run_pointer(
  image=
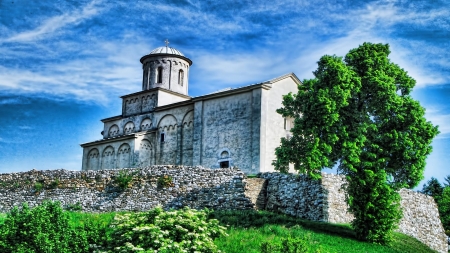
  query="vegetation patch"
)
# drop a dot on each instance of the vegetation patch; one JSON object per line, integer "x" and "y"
{"x": 124, "y": 179}
{"x": 47, "y": 228}
{"x": 165, "y": 181}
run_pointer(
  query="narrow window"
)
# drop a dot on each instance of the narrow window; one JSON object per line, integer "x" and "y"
{"x": 180, "y": 77}
{"x": 225, "y": 164}
{"x": 159, "y": 75}
{"x": 163, "y": 137}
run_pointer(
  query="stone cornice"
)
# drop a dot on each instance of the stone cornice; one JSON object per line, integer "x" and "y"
{"x": 109, "y": 140}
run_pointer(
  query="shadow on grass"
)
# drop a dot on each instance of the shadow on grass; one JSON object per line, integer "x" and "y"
{"x": 257, "y": 219}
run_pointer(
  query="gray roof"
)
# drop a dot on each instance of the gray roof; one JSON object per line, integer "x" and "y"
{"x": 166, "y": 50}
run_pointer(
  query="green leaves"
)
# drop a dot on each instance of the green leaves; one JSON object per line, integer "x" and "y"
{"x": 184, "y": 230}
{"x": 357, "y": 113}
{"x": 44, "y": 228}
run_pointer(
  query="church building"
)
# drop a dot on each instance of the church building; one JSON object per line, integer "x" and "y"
{"x": 163, "y": 125}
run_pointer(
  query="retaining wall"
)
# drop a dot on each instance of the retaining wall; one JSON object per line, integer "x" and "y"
{"x": 98, "y": 191}
{"x": 324, "y": 200}
{"x": 219, "y": 189}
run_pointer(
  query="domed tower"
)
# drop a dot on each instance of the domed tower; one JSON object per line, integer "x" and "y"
{"x": 166, "y": 67}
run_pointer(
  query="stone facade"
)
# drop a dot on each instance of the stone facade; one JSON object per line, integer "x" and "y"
{"x": 162, "y": 125}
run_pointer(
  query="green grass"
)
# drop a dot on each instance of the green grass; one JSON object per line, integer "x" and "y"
{"x": 248, "y": 229}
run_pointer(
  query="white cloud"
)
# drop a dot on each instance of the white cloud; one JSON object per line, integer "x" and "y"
{"x": 442, "y": 119}
{"x": 51, "y": 25}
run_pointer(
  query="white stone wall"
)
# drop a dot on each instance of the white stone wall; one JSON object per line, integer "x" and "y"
{"x": 274, "y": 122}
{"x": 226, "y": 126}
{"x": 171, "y": 67}
{"x": 109, "y": 155}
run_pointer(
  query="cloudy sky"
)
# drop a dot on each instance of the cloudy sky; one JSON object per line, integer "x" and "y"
{"x": 64, "y": 64}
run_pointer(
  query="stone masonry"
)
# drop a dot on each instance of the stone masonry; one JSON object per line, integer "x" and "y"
{"x": 219, "y": 189}
{"x": 324, "y": 200}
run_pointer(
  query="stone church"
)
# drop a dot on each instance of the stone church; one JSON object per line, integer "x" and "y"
{"x": 163, "y": 125}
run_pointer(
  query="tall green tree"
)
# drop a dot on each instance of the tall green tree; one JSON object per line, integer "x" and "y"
{"x": 358, "y": 113}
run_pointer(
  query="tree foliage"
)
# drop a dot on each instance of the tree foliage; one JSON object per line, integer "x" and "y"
{"x": 358, "y": 113}
{"x": 433, "y": 188}
{"x": 42, "y": 229}
{"x": 444, "y": 209}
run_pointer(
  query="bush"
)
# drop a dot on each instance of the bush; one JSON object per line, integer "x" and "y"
{"x": 183, "y": 230}
{"x": 40, "y": 230}
{"x": 38, "y": 186}
{"x": 165, "y": 181}
{"x": 124, "y": 179}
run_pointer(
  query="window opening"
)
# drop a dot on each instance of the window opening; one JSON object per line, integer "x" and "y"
{"x": 159, "y": 75}
{"x": 225, "y": 164}
{"x": 180, "y": 77}
{"x": 163, "y": 137}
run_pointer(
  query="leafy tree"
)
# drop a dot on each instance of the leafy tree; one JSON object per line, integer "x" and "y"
{"x": 433, "y": 188}
{"x": 357, "y": 112}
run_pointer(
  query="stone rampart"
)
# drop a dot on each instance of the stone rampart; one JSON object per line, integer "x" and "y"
{"x": 324, "y": 200}
{"x": 98, "y": 191}
{"x": 219, "y": 189}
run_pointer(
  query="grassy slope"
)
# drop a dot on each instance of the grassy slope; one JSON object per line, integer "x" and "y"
{"x": 248, "y": 229}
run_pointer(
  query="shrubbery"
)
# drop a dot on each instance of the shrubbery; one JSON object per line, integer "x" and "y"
{"x": 183, "y": 230}
{"x": 47, "y": 228}
{"x": 41, "y": 229}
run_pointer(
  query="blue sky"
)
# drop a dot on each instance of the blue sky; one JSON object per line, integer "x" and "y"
{"x": 64, "y": 64}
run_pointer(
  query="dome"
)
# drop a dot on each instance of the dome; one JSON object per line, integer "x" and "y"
{"x": 166, "y": 50}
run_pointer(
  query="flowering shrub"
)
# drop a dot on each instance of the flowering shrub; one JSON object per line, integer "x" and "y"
{"x": 177, "y": 231}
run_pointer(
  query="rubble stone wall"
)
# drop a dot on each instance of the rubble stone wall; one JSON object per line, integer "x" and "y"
{"x": 99, "y": 191}
{"x": 219, "y": 189}
{"x": 324, "y": 200}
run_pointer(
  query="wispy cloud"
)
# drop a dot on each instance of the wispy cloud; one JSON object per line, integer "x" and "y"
{"x": 440, "y": 117}
{"x": 53, "y": 24}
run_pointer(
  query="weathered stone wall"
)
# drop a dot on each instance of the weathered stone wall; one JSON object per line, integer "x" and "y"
{"x": 226, "y": 133}
{"x": 294, "y": 195}
{"x": 98, "y": 191}
{"x": 421, "y": 220}
{"x": 324, "y": 200}
{"x": 220, "y": 189}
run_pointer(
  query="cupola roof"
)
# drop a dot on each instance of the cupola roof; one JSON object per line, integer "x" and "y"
{"x": 166, "y": 50}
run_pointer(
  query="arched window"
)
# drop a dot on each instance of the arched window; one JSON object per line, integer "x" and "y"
{"x": 180, "y": 77}
{"x": 159, "y": 75}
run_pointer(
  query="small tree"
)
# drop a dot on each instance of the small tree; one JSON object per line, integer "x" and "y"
{"x": 357, "y": 112}
{"x": 433, "y": 188}
{"x": 447, "y": 181}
